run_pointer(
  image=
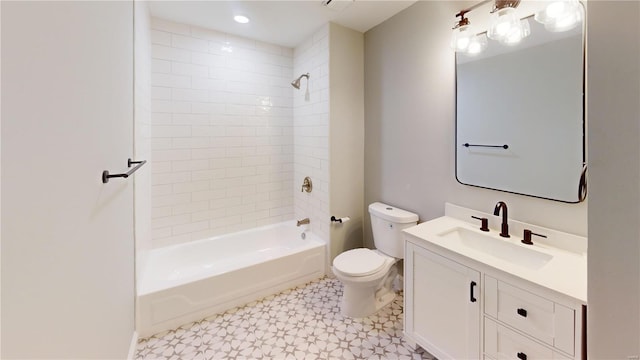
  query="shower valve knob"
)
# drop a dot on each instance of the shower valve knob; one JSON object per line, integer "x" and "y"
{"x": 307, "y": 185}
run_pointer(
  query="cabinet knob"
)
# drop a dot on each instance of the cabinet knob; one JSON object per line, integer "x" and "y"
{"x": 522, "y": 356}
{"x": 522, "y": 312}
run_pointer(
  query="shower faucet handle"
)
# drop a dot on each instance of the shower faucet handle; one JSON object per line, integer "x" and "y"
{"x": 307, "y": 185}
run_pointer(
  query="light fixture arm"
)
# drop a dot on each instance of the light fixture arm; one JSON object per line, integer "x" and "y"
{"x": 462, "y": 12}
{"x": 497, "y": 5}
{"x": 502, "y": 4}
{"x": 462, "y": 22}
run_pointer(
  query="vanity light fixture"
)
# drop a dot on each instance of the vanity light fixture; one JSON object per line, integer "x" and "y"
{"x": 560, "y": 15}
{"x": 462, "y": 34}
{"x": 464, "y": 39}
{"x": 507, "y": 28}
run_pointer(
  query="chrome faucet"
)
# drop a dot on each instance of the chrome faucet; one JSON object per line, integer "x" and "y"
{"x": 504, "y": 230}
{"x": 304, "y": 221}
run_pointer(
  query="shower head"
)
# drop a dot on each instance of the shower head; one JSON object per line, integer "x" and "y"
{"x": 296, "y": 83}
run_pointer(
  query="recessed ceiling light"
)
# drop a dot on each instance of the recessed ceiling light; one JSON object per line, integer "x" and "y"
{"x": 241, "y": 19}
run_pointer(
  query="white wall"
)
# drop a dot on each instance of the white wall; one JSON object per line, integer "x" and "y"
{"x": 311, "y": 131}
{"x": 410, "y": 99}
{"x": 67, "y": 238}
{"x": 142, "y": 132}
{"x": 410, "y": 125}
{"x": 222, "y": 129}
{"x": 346, "y": 139}
{"x": 613, "y": 105}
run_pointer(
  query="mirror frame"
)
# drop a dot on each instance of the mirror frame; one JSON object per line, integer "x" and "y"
{"x": 579, "y": 186}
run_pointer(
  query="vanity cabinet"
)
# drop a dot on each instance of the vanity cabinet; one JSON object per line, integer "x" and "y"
{"x": 541, "y": 319}
{"x": 444, "y": 298}
{"x": 457, "y": 308}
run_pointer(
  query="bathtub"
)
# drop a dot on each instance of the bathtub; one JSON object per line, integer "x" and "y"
{"x": 187, "y": 282}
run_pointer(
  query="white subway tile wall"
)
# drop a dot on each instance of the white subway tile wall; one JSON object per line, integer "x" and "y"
{"x": 311, "y": 131}
{"x": 142, "y": 134}
{"x": 221, "y": 134}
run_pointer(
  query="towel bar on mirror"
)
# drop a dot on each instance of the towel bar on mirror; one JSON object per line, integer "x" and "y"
{"x": 505, "y": 146}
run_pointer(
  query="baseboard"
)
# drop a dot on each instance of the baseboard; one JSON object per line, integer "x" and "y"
{"x": 132, "y": 346}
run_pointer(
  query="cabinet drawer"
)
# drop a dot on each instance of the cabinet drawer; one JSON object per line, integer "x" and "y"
{"x": 543, "y": 319}
{"x": 503, "y": 343}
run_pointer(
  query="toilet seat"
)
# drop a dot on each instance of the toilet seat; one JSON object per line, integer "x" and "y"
{"x": 359, "y": 262}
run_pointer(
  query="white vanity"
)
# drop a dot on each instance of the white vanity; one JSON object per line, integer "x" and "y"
{"x": 471, "y": 294}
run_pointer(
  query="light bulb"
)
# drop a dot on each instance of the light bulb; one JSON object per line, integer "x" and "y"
{"x": 502, "y": 24}
{"x": 555, "y": 9}
{"x": 460, "y": 38}
{"x": 477, "y": 44}
{"x": 502, "y": 28}
{"x": 517, "y": 34}
{"x": 564, "y": 23}
{"x": 512, "y": 39}
{"x": 560, "y": 15}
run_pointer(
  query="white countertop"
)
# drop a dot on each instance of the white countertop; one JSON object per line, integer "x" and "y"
{"x": 565, "y": 273}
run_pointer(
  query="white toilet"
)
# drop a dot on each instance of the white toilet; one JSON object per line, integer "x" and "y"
{"x": 368, "y": 275}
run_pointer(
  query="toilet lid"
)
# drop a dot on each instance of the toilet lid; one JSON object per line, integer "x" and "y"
{"x": 358, "y": 262}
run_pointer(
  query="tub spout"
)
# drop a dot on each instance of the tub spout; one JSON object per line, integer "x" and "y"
{"x": 303, "y": 222}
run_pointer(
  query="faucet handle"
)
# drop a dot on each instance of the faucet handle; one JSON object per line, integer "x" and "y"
{"x": 307, "y": 185}
{"x": 526, "y": 239}
{"x": 484, "y": 223}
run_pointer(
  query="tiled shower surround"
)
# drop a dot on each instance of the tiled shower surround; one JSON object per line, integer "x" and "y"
{"x": 300, "y": 323}
{"x": 142, "y": 133}
{"x": 222, "y": 133}
{"x": 311, "y": 129}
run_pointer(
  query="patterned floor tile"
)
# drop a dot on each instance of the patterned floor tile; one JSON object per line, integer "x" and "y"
{"x": 300, "y": 323}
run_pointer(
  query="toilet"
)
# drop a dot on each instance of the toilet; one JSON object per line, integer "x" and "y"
{"x": 368, "y": 275}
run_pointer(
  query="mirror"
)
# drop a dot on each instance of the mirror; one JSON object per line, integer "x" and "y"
{"x": 520, "y": 112}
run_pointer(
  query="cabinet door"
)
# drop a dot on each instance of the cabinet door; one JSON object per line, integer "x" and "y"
{"x": 442, "y": 310}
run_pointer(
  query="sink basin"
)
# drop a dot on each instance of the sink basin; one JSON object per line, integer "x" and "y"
{"x": 506, "y": 249}
{"x": 558, "y": 262}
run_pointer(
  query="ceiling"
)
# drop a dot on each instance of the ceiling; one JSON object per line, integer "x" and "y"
{"x": 285, "y": 23}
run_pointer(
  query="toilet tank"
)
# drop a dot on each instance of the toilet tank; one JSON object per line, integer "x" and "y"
{"x": 387, "y": 223}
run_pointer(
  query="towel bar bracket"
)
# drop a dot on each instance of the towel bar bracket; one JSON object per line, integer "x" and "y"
{"x": 106, "y": 176}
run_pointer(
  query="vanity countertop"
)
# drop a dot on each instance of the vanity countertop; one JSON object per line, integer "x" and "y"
{"x": 563, "y": 268}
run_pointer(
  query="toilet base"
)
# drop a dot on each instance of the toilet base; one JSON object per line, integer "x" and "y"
{"x": 358, "y": 302}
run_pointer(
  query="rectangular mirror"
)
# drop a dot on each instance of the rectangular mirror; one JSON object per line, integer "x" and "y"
{"x": 520, "y": 115}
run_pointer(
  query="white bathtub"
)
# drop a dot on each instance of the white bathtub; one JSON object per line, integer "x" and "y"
{"x": 187, "y": 282}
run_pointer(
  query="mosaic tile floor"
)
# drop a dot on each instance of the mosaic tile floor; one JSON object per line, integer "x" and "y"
{"x": 300, "y": 323}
